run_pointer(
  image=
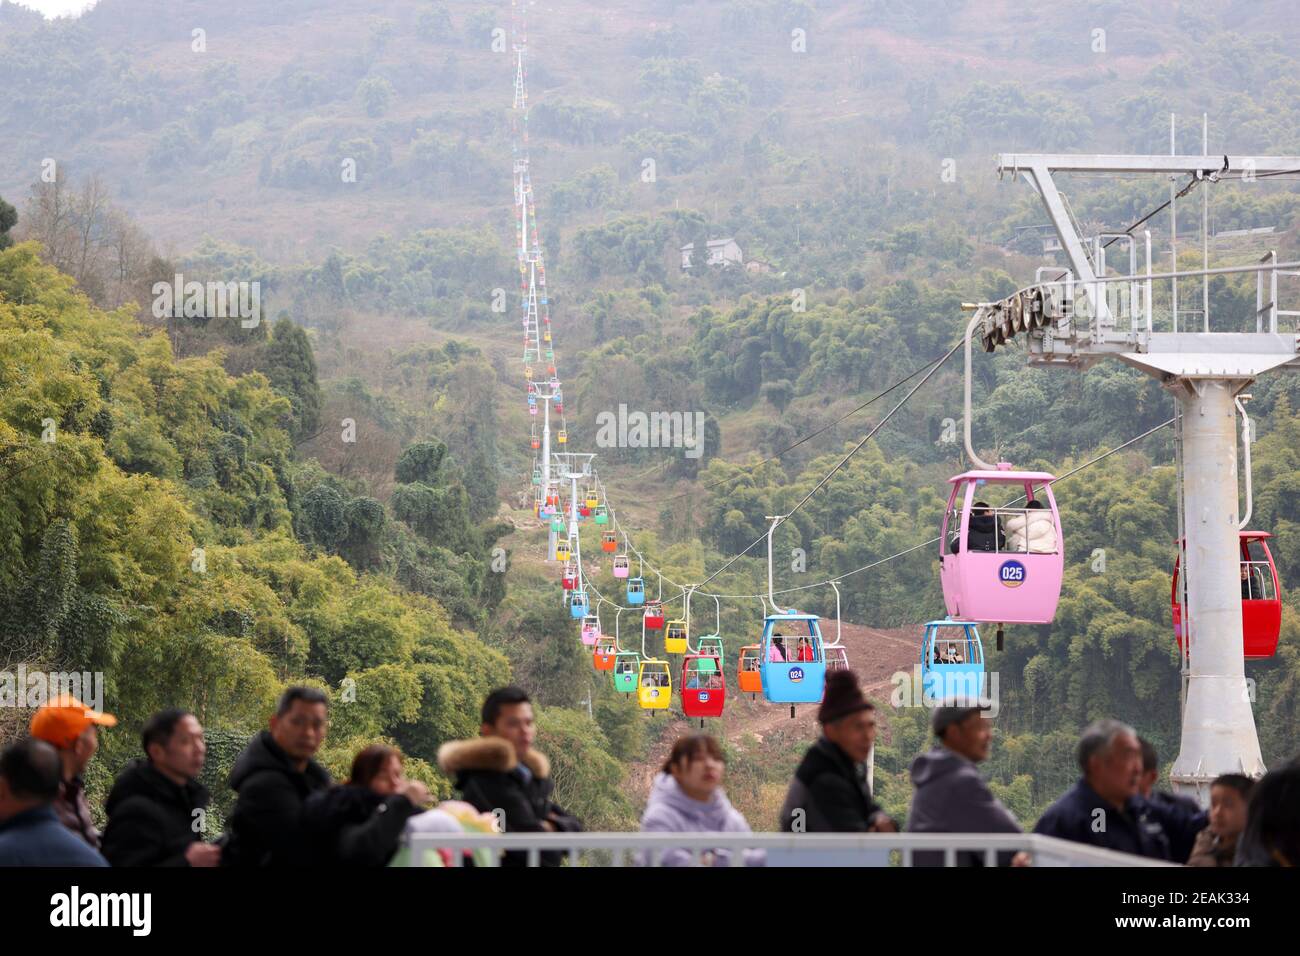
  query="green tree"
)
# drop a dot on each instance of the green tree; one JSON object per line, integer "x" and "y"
{"x": 291, "y": 368}
{"x": 375, "y": 95}
{"x": 8, "y": 219}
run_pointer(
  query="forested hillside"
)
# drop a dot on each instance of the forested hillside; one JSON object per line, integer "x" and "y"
{"x": 340, "y": 493}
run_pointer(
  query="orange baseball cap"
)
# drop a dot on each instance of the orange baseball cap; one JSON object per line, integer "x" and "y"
{"x": 64, "y": 719}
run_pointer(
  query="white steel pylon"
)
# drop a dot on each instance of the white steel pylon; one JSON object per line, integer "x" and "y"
{"x": 538, "y": 350}
{"x": 1077, "y": 320}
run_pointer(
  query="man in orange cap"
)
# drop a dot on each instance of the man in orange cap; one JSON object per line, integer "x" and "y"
{"x": 69, "y": 726}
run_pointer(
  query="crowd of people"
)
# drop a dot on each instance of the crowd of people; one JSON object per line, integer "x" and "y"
{"x": 289, "y": 811}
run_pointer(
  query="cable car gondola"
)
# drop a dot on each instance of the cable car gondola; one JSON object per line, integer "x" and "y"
{"x": 622, "y": 566}
{"x": 569, "y": 577}
{"x": 654, "y": 685}
{"x": 602, "y": 517}
{"x": 749, "y": 674}
{"x": 952, "y": 662}
{"x": 1261, "y": 606}
{"x": 710, "y": 645}
{"x": 578, "y": 604}
{"x": 675, "y": 636}
{"x": 793, "y": 663}
{"x": 1001, "y": 564}
{"x": 562, "y": 550}
{"x": 590, "y": 629}
{"x": 654, "y": 616}
{"x": 603, "y": 657}
{"x": 608, "y": 541}
{"x": 636, "y": 591}
{"x": 627, "y": 665}
{"x": 703, "y": 689}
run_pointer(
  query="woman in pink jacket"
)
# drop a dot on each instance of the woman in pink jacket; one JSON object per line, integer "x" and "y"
{"x": 687, "y": 797}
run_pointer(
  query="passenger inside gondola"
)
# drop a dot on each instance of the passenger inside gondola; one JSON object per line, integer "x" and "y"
{"x": 1255, "y": 583}
{"x": 1031, "y": 531}
{"x": 777, "y": 651}
{"x": 984, "y": 533}
{"x": 948, "y": 652}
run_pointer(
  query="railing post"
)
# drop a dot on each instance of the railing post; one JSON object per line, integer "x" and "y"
{"x": 1272, "y": 294}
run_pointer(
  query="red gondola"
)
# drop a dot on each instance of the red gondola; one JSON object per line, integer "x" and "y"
{"x": 654, "y": 616}
{"x": 1261, "y": 604}
{"x": 704, "y": 690}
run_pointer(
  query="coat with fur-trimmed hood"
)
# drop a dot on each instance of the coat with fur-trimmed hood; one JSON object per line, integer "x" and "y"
{"x": 489, "y": 776}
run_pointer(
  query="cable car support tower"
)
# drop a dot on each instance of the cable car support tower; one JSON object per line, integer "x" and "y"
{"x": 1081, "y": 316}
{"x": 540, "y": 367}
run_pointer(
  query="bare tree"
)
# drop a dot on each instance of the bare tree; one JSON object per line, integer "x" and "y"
{"x": 93, "y": 241}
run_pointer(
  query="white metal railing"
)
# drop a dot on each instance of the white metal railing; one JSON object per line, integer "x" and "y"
{"x": 782, "y": 849}
{"x": 1001, "y": 537}
{"x": 1270, "y": 308}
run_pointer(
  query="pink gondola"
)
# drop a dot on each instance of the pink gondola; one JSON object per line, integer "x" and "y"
{"x": 1002, "y": 563}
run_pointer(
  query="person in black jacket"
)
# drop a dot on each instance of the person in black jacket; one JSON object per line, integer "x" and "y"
{"x": 829, "y": 793}
{"x": 1104, "y": 808}
{"x": 157, "y": 809}
{"x": 273, "y": 776}
{"x": 502, "y": 772}
{"x": 361, "y": 822}
{"x": 985, "y": 531}
{"x": 1181, "y": 816}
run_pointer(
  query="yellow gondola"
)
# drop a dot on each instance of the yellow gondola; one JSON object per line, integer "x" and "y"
{"x": 675, "y": 637}
{"x": 654, "y": 685}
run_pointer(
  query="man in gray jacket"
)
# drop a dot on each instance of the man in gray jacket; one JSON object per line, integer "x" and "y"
{"x": 949, "y": 795}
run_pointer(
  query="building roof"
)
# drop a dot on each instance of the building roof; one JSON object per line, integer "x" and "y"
{"x": 711, "y": 243}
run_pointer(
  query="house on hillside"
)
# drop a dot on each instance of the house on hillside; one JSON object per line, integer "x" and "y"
{"x": 722, "y": 252}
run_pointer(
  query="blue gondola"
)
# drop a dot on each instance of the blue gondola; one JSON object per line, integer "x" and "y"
{"x": 636, "y": 591}
{"x": 793, "y": 659}
{"x": 578, "y": 604}
{"x": 952, "y": 662}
